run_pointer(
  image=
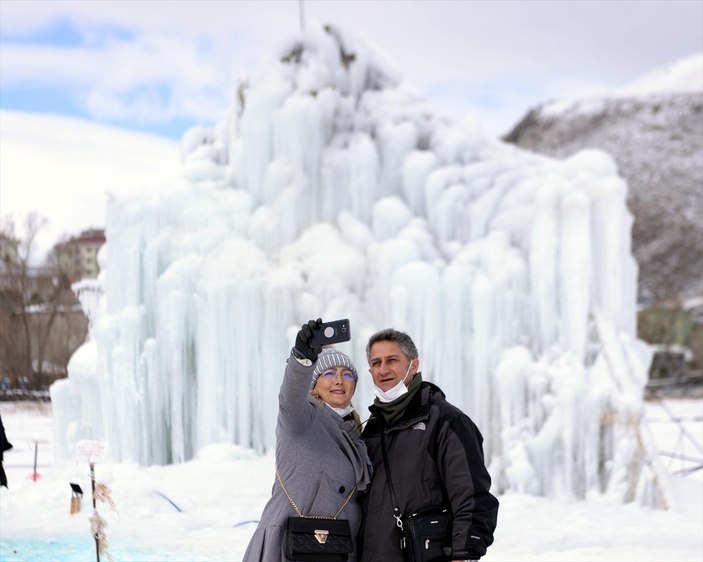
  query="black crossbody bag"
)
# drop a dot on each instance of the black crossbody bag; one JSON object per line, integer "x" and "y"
{"x": 311, "y": 538}
{"x": 426, "y": 536}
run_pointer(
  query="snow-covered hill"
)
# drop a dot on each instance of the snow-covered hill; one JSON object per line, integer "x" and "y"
{"x": 68, "y": 168}
{"x": 684, "y": 75}
{"x": 654, "y": 130}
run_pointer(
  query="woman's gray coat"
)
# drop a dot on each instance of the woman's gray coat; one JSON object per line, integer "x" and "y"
{"x": 320, "y": 458}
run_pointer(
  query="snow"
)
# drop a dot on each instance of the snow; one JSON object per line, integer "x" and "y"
{"x": 221, "y": 493}
{"x": 680, "y": 77}
{"x": 684, "y": 75}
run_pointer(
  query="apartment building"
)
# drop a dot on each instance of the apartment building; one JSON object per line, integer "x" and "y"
{"x": 78, "y": 257}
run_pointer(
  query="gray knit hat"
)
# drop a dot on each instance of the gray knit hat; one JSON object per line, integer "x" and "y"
{"x": 329, "y": 358}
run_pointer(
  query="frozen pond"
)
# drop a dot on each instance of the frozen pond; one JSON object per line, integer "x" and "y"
{"x": 79, "y": 549}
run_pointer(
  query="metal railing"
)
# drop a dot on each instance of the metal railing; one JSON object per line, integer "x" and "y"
{"x": 686, "y": 454}
{"x": 12, "y": 394}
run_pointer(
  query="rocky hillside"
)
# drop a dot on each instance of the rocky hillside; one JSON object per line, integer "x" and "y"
{"x": 656, "y": 138}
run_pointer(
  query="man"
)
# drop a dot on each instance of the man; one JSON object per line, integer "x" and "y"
{"x": 435, "y": 457}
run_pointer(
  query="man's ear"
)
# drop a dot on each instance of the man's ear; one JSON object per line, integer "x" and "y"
{"x": 416, "y": 367}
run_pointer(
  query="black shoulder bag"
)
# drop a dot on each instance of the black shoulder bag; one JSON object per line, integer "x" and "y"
{"x": 311, "y": 538}
{"x": 426, "y": 536}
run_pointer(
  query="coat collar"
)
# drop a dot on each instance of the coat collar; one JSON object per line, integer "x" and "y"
{"x": 417, "y": 411}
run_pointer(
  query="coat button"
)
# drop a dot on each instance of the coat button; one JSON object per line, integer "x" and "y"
{"x": 342, "y": 489}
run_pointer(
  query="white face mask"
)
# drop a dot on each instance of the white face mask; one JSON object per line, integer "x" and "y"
{"x": 342, "y": 411}
{"x": 395, "y": 392}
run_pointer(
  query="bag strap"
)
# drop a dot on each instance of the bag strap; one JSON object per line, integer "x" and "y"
{"x": 396, "y": 509}
{"x": 300, "y": 513}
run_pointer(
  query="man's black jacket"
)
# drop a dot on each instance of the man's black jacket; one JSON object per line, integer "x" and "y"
{"x": 436, "y": 459}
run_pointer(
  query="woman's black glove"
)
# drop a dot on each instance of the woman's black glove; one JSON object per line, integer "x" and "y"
{"x": 302, "y": 341}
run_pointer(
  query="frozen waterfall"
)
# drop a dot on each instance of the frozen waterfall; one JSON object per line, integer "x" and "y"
{"x": 332, "y": 189}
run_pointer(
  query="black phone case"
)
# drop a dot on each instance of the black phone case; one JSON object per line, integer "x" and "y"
{"x": 331, "y": 332}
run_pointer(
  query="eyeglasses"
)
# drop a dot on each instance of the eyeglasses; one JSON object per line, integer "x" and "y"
{"x": 331, "y": 374}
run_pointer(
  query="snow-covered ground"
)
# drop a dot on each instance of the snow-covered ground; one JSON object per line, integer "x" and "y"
{"x": 205, "y": 510}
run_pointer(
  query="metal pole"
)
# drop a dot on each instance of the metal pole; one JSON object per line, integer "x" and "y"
{"x": 36, "y": 448}
{"x": 681, "y": 426}
{"x": 301, "y": 11}
{"x": 92, "y": 484}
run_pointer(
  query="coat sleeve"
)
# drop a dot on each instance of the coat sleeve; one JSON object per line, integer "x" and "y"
{"x": 460, "y": 460}
{"x": 5, "y": 445}
{"x": 295, "y": 412}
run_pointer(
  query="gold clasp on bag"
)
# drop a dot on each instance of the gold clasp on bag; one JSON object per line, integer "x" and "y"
{"x": 321, "y": 535}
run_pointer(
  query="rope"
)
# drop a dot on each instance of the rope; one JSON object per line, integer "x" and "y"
{"x": 169, "y": 500}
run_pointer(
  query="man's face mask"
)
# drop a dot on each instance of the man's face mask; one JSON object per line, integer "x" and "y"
{"x": 394, "y": 392}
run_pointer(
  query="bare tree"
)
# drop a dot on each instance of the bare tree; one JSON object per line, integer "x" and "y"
{"x": 31, "y": 300}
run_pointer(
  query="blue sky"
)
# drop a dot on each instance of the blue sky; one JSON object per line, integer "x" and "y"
{"x": 42, "y": 94}
{"x": 161, "y": 67}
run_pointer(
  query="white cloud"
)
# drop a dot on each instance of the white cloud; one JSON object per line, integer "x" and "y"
{"x": 157, "y": 78}
{"x": 148, "y": 79}
{"x": 73, "y": 67}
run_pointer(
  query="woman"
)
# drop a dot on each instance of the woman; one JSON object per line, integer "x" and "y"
{"x": 321, "y": 461}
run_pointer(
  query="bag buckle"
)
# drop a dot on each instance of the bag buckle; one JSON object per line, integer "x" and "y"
{"x": 321, "y": 535}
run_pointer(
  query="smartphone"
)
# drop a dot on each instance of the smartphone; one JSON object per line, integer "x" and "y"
{"x": 331, "y": 332}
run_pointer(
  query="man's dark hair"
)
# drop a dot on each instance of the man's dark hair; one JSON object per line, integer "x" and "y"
{"x": 407, "y": 346}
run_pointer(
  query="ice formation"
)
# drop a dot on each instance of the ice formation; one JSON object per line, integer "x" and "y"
{"x": 332, "y": 189}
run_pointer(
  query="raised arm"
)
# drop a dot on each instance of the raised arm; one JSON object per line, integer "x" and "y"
{"x": 294, "y": 411}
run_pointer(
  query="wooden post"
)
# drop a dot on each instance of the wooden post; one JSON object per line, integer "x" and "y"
{"x": 92, "y": 485}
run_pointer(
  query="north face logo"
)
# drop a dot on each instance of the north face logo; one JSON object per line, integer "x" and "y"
{"x": 420, "y": 425}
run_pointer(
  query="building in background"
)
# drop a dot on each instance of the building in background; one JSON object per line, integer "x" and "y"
{"x": 78, "y": 256}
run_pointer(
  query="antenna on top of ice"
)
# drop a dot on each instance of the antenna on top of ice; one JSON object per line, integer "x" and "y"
{"x": 301, "y": 12}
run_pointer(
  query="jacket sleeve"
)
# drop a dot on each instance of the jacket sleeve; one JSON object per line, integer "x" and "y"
{"x": 295, "y": 412}
{"x": 460, "y": 460}
{"x": 5, "y": 445}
